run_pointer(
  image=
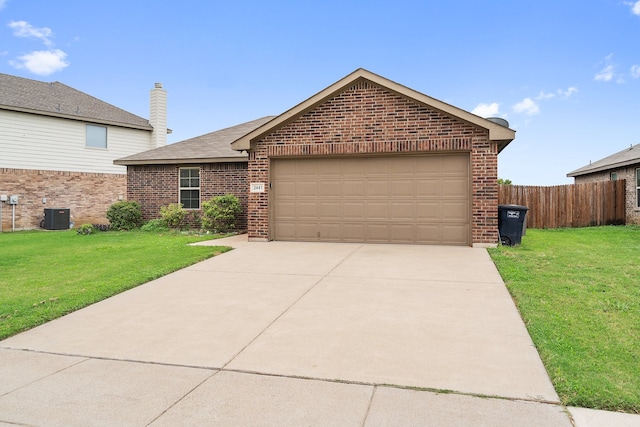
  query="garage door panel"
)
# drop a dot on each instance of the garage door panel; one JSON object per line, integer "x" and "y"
{"x": 307, "y": 189}
{"x": 354, "y": 188}
{"x": 394, "y": 199}
{"x": 353, "y": 210}
{"x": 454, "y": 211}
{"x": 401, "y": 188}
{"x": 426, "y": 187}
{"x": 429, "y": 210}
{"x": 307, "y": 210}
{"x": 286, "y": 209}
{"x": 403, "y": 211}
{"x": 377, "y": 211}
{"x": 330, "y": 211}
{"x": 377, "y": 187}
{"x": 455, "y": 234}
{"x": 329, "y": 188}
{"x": 455, "y": 187}
{"x": 353, "y": 232}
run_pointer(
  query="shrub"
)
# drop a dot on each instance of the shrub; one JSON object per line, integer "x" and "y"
{"x": 173, "y": 215}
{"x": 155, "y": 225}
{"x": 125, "y": 215}
{"x": 85, "y": 229}
{"x": 221, "y": 213}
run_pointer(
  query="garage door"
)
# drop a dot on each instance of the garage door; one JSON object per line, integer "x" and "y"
{"x": 390, "y": 199}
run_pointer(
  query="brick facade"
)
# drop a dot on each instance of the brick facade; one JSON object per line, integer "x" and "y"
{"x": 87, "y": 195}
{"x": 366, "y": 118}
{"x": 627, "y": 173}
{"x": 154, "y": 186}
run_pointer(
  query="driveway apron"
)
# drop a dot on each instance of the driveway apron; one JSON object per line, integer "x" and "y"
{"x": 290, "y": 333}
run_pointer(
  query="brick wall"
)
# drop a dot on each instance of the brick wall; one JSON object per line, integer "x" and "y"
{"x": 87, "y": 195}
{"x": 154, "y": 186}
{"x": 367, "y": 119}
{"x": 627, "y": 173}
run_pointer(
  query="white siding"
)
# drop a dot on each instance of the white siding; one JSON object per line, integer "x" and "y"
{"x": 29, "y": 141}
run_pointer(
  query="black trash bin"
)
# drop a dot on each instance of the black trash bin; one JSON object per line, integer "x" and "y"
{"x": 511, "y": 223}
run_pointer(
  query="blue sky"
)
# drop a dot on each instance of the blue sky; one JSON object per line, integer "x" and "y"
{"x": 565, "y": 74}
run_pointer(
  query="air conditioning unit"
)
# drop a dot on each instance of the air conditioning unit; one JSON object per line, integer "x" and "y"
{"x": 56, "y": 219}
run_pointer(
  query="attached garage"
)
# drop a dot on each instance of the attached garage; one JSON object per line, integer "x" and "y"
{"x": 421, "y": 199}
{"x": 370, "y": 160}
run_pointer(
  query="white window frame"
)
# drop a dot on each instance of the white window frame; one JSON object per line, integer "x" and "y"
{"x": 638, "y": 188}
{"x": 93, "y": 139}
{"x": 186, "y": 183}
{"x": 614, "y": 176}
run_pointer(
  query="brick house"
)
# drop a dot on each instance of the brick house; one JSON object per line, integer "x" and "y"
{"x": 190, "y": 171}
{"x": 364, "y": 160}
{"x": 625, "y": 165}
{"x": 370, "y": 160}
{"x": 58, "y": 147}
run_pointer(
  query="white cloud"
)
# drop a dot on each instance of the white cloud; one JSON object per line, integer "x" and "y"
{"x": 635, "y": 7}
{"x": 567, "y": 93}
{"x": 487, "y": 110}
{"x": 527, "y": 106}
{"x": 606, "y": 74}
{"x": 544, "y": 95}
{"x": 24, "y": 29}
{"x": 635, "y": 71}
{"x": 42, "y": 62}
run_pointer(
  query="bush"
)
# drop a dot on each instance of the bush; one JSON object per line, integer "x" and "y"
{"x": 85, "y": 229}
{"x": 221, "y": 213}
{"x": 125, "y": 215}
{"x": 155, "y": 225}
{"x": 173, "y": 215}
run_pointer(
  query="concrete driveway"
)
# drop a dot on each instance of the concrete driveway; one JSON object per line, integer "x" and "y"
{"x": 290, "y": 334}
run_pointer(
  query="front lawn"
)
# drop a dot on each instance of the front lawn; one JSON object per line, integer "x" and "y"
{"x": 578, "y": 291}
{"x": 44, "y": 275}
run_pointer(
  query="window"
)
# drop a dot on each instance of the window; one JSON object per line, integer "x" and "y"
{"x": 190, "y": 188}
{"x": 614, "y": 176}
{"x": 638, "y": 188}
{"x": 96, "y": 136}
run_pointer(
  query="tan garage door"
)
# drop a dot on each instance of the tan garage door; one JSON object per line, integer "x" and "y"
{"x": 390, "y": 199}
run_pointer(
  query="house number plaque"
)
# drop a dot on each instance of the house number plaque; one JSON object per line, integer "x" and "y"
{"x": 257, "y": 187}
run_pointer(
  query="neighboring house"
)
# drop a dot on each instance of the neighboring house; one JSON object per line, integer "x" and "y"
{"x": 191, "y": 172}
{"x": 57, "y": 147}
{"x": 365, "y": 160}
{"x": 621, "y": 165}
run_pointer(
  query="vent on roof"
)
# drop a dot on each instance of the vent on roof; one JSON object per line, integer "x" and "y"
{"x": 499, "y": 120}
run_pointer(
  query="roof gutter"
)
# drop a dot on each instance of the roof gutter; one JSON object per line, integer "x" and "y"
{"x": 77, "y": 118}
{"x": 190, "y": 161}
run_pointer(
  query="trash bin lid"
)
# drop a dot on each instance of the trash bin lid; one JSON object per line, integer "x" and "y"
{"x": 513, "y": 207}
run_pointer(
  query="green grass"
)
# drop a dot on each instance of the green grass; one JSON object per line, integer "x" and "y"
{"x": 578, "y": 291}
{"x": 44, "y": 275}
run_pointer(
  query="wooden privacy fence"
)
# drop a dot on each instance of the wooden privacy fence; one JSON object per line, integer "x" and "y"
{"x": 574, "y": 205}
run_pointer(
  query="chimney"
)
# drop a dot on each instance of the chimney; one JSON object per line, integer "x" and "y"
{"x": 158, "y": 116}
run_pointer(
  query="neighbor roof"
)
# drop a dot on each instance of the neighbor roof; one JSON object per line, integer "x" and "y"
{"x": 498, "y": 133}
{"x": 626, "y": 157}
{"x": 59, "y": 100}
{"x": 212, "y": 147}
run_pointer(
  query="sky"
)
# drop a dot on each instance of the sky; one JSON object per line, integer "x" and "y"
{"x": 564, "y": 74}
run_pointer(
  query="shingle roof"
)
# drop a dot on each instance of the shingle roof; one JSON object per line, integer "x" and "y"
{"x": 209, "y": 148}
{"x": 628, "y": 156}
{"x": 59, "y": 100}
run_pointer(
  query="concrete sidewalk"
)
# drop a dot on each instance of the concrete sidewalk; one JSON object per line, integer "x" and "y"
{"x": 287, "y": 334}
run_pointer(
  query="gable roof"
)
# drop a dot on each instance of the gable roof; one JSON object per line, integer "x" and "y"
{"x": 501, "y": 134}
{"x": 213, "y": 147}
{"x": 59, "y": 100}
{"x": 626, "y": 157}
